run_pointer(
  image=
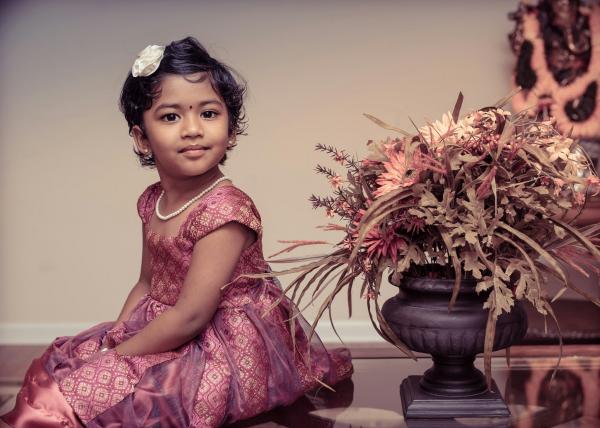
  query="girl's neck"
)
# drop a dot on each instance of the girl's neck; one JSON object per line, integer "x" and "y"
{"x": 181, "y": 190}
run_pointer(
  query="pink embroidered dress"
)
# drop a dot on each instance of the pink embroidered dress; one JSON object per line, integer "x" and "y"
{"x": 241, "y": 364}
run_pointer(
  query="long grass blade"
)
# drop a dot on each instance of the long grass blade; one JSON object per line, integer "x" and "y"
{"x": 350, "y": 297}
{"x": 321, "y": 274}
{"x": 538, "y": 248}
{"x": 490, "y": 335}
{"x": 382, "y": 322}
{"x": 296, "y": 244}
{"x": 456, "y": 264}
{"x": 580, "y": 237}
{"x": 502, "y": 101}
{"x": 385, "y": 125}
{"x": 560, "y": 340}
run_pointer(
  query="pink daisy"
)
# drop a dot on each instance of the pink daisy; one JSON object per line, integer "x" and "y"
{"x": 395, "y": 175}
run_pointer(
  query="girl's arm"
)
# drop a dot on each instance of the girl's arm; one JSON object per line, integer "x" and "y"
{"x": 213, "y": 261}
{"x": 141, "y": 287}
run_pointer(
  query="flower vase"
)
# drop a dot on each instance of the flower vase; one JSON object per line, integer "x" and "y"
{"x": 453, "y": 387}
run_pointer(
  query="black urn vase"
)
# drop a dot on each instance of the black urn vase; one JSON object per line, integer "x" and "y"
{"x": 453, "y": 387}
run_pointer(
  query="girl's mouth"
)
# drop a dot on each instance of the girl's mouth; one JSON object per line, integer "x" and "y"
{"x": 193, "y": 148}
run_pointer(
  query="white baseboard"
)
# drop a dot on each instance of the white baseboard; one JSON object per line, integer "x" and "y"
{"x": 351, "y": 332}
{"x": 37, "y": 334}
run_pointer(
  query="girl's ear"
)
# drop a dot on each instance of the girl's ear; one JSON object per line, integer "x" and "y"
{"x": 140, "y": 140}
{"x": 231, "y": 143}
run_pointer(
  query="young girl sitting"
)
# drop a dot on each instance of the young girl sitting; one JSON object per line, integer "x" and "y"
{"x": 185, "y": 350}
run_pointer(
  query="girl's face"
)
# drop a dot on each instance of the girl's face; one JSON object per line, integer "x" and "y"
{"x": 186, "y": 127}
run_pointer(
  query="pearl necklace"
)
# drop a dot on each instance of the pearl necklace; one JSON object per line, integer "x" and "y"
{"x": 188, "y": 203}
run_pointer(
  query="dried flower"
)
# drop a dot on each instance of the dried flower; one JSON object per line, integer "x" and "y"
{"x": 437, "y": 131}
{"x": 398, "y": 172}
{"x": 335, "y": 181}
{"x": 594, "y": 183}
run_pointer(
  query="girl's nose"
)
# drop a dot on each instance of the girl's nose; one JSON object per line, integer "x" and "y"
{"x": 192, "y": 127}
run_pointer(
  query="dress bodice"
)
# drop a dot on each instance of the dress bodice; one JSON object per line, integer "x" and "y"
{"x": 171, "y": 255}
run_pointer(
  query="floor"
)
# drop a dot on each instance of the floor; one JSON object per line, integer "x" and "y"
{"x": 371, "y": 398}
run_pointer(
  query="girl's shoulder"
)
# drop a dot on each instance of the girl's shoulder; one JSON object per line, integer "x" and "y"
{"x": 229, "y": 195}
{"x": 147, "y": 200}
{"x": 223, "y": 205}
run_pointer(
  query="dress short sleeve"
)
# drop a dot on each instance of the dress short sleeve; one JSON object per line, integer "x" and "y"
{"x": 221, "y": 206}
{"x": 146, "y": 201}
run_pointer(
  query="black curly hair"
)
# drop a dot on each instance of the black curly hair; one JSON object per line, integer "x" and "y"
{"x": 184, "y": 57}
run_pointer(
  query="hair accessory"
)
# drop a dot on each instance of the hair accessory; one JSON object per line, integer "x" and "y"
{"x": 147, "y": 61}
{"x": 188, "y": 203}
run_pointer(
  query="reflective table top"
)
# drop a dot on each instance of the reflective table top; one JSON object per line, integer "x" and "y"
{"x": 371, "y": 398}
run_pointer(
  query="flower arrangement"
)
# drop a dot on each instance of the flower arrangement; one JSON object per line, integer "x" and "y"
{"x": 481, "y": 197}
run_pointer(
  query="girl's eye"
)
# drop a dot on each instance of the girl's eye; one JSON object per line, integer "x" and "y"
{"x": 209, "y": 114}
{"x": 169, "y": 117}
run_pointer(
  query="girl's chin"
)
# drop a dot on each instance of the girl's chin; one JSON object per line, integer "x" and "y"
{"x": 187, "y": 173}
{"x": 188, "y": 167}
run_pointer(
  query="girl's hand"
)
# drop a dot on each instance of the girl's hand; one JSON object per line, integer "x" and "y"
{"x": 110, "y": 339}
{"x": 107, "y": 343}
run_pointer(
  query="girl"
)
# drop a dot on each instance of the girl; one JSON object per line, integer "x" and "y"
{"x": 185, "y": 350}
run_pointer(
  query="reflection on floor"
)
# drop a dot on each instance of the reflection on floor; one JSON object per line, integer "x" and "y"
{"x": 371, "y": 398}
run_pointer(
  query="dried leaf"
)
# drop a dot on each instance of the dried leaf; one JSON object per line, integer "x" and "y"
{"x": 457, "y": 106}
{"x": 385, "y": 125}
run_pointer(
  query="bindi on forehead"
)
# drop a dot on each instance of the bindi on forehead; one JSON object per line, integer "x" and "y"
{"x": 190, "y": 107}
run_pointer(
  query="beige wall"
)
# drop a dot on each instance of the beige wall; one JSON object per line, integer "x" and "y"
{"x": 70, "y": 235}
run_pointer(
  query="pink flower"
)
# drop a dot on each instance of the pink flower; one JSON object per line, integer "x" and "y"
{"x": 558, "y": 184}
{"x": 384, "y": 245}
{"x": 347, "y": 244}
{"x": 594, "y": 182}
{"x": 336, "y": 181}
{"x": 340, "y": 157}
{"x": 396, "y": 174}
{"x": 369, "y": 295}
{"x": 378, "y": 244}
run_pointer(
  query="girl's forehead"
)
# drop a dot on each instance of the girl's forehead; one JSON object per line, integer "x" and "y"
{"x": 188, "y": 86}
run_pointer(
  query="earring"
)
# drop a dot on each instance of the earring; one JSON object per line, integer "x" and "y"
{"x": 147, "y": 155}
{"x": 230, "y": 144}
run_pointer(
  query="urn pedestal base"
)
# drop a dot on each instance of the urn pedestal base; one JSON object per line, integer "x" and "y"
{"x": 453, "y": 387}
{"x": 417, "y": 404}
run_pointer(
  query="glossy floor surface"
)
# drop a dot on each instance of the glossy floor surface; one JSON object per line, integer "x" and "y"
{"x": 372, "y": 399}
